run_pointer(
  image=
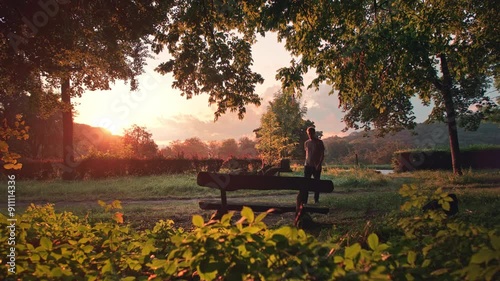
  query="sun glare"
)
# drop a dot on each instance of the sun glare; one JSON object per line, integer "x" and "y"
{"x": 114, "y": 129}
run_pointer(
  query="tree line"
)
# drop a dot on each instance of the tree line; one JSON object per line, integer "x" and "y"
{"x": 375, "y": 55}
{"x": 281, "y": 134}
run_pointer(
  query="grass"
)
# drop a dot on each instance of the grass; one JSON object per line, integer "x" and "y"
{"x": 360, "y": 199}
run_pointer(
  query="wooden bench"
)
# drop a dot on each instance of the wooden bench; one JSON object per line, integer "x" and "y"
{"x": 228, "y": 182}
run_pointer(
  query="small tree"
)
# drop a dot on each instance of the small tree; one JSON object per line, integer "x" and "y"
{"x": 194, "y": 148}
{"x": 270, "y": 143}
{"x": 281, "y": 128}
{"x": 228, "y": 148}
{"x": 139, "y": 140}
{"x": 246, "y": 147}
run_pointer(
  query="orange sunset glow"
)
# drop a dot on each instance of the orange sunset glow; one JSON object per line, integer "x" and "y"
{"x": 170, "y": 116}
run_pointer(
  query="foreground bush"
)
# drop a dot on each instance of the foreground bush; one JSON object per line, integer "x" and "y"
{"x": 417, "y": 246}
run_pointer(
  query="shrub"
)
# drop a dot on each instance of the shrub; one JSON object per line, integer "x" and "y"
{"x": 419, "y": 246}
{"x": 426, "y": 159}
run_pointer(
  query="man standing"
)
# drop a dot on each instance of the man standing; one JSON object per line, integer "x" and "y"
{"x": 315, "y": 153}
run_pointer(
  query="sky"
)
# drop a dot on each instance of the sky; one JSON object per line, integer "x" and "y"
{"x": 169, "y": 116}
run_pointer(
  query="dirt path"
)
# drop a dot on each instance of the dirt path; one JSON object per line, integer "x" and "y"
{"x": 145, "y": 213}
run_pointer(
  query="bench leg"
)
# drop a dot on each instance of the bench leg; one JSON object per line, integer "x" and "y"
{"x": 299, "y": 208}
{"x": 298, "y": 215}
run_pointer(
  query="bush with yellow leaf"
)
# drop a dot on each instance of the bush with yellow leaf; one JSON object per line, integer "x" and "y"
{"x": 18, "y": 130}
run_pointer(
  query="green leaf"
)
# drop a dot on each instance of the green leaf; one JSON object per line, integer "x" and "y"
{"x": 260, "y": 217}
{"x": 35, "y": 258}
{"x": 87, "y": 249}
{"x": 198, "y": 221}
{"x": 207, "y": 270}
{"x": 373, "y": 241}
{"x": 83, "y": 240}
{"x": 56, "y": 272}
{"x": 251, "y": 229}
{"x": 446, "y": 206}
{"x": 226, "y": 219}
{"x": 349, "y": 264}
{"x": 412, "y": 257}
{"x": 409, "y": 277}
{"x": 247, "y": 213}
{"x": 440, "y": 271}
{"x": 352, "y": 251}
{"x": 108, "y": 267}
{"x": 491, "y": 271}
{"x": 483, "y": 256}
{"x": 284, "y": 230}
{"x": 46, "y": 243}
{"x": 382, "y": 247}
{"x": 147, "y": 249}
{"x": 495, "y": 242}
{"x": 157, "y": 263}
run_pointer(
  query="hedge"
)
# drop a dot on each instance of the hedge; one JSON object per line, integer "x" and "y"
{"x": 425, "y": 159}
{"x": 95, "y": 168}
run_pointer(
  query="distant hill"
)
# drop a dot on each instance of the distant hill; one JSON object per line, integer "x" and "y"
{"x": 436, "y": 135}
{"x": 85, "y": 137}
{"x": 46, "y": 142}
{"x": 371, "y": 149}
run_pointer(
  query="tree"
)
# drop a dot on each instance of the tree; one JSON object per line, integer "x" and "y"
{"x": 281, "y": 128}
{"x": 228, "y": 148}
{"x": 42, "y": 112}
{"x": 269, "y": 141}
{"x": 213, "y": 149}
{"x": 491, "y": 111}
{"x": 377, "y": 55}
{"x": 17, "y": 130}
{"x": 486, "y": 109}
{"x": 167, "y": 152}
{"x": 195, "y": 148}
{"x": 74, "y": 46}
{"x": 210, "y": 45}
{"x": 246, "y": 147}
{"x": 336, "y": 149}
{"x": 139, "y": 140}
{"x": 177, "y": 149}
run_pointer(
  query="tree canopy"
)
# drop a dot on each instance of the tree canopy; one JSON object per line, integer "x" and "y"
{"x": 282, "y": 129}
{"x": 376, "y": 55}
{"x": 68, "y": 47}
{"x": 140, "y": 142}
{"x": 210, "y": 45}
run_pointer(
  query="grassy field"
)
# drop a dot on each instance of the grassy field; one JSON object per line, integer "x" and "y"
{"x": 361, "y": 197}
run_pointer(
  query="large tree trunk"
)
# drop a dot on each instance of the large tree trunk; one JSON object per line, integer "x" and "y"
{"x": 451, "y": 120}
{"x": 67, "y": 120}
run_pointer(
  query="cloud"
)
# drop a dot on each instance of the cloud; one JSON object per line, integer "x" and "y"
{"x": 184, "y": 126}
{"x": 323, "y": 109}
{"x": 324, "y": 112}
